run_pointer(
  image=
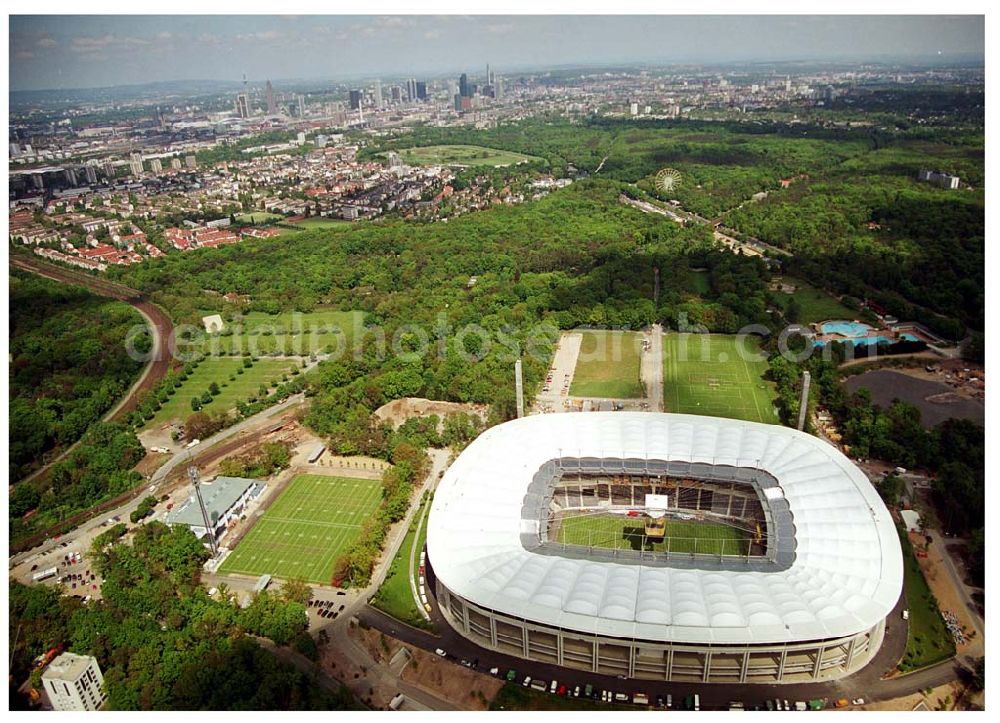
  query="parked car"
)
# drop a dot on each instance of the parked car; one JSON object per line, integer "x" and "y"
{"x": 494, "y": 671}
{"x": 511, "y": 675}
{"x": 538, "y": 685}
{"x": 440, "y": 652}
{"x": 527, "y": 681}
{"x": 858, "y": 701}
{"x": 576, "y": 692}
{"x": 842, "y": 703}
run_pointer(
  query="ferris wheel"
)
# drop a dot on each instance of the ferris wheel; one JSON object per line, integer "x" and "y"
{"x": 667, "y": 180}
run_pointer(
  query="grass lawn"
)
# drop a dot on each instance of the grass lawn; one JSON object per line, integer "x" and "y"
{"x": 928, "y": 640}
{"x": 303, "y": 532}
{"x": 608, "y": 366}
{"x": 709, "y": 374}
{"x": 394, "y": 596}
{"x": 258, "y": 217}
{"x": 319, "y": 222}
{"x": 290, "y": 333}
{"x": 618, "y": 532}
{"x": 462, "y": 156}
{"x": 219, "y": 370}
{"x": 814, "y": 304}
{"x": 514, "y": 696}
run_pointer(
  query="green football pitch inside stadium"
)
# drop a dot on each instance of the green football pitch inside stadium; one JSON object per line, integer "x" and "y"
{"x": 716, "y": 375}
{"x": 619, "y": 532}
{"x": 313, "y": 521}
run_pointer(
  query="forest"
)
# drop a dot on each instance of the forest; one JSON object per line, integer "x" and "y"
{"x": 851, "y": 208}
{"x": 161, "y": 641}
{"x": 69, "y": 365}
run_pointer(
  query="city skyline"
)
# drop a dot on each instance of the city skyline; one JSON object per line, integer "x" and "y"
{"x": 76, "y": 52}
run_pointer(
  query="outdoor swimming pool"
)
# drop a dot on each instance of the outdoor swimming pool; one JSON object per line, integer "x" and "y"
{"x": 908, "y": 337}
{"x": 865, "y": 341}
{"x": 851, "y": 329}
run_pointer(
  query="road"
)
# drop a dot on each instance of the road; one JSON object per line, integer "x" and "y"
{"x": 208, "y": 449}
{"x": 651, "y": 369}
{"x": 156, "y": 319}
{"x": 867, "y": 683}
{"x": 356, "y": 604}
{"x": 958, "y": 583}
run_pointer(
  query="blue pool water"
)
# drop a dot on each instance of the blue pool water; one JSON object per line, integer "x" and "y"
{"x": 850, "y": 329}
{"x": 865, "y": 341}
{"x": 909, "y": 337}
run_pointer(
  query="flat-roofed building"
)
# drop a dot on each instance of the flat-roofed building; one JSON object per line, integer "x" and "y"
{"x": 225, "y": 500}
{"x": 74, "y": 682}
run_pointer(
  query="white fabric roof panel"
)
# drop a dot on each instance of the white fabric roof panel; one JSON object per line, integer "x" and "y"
{"x": 846, "y": 576}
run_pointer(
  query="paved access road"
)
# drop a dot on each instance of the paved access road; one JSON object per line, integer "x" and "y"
{"x": 651, "y": 369}
{"x": 210, "y": 449}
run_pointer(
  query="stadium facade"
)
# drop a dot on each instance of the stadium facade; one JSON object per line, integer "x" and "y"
{"x": 804, "y": 596}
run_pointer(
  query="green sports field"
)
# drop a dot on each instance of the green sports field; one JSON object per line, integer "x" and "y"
{"x": 315, "y": 519}
{"x": 459, "y": 155}
{"x": 290, "y": 333}
{"x": 608, "y": 366}
{"x": 219, "y": 370}
{"x": 618, "y": 532}
{"x": 710, "y": 374}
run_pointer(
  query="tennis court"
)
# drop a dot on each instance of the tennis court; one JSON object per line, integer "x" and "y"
{"x": 312, "y": 522}
{"x": 718, "y": 375}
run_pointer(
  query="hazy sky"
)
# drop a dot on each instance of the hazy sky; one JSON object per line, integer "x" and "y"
{"x": 89, "y": 51}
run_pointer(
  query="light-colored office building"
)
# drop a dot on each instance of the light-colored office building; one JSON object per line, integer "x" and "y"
{"x": 74, "y": 682}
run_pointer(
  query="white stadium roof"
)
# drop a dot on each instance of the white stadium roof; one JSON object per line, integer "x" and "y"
{"x": 845, "y": 577}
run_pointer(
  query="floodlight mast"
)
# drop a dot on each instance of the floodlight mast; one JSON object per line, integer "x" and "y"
{"x": 210, "y": 531}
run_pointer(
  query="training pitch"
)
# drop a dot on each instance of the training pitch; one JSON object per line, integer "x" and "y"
{"x": 618, "y": 532}
{"x": 710, "y": 374}
{"x": 607, "y": 366}
{"x": 313, "y": 521}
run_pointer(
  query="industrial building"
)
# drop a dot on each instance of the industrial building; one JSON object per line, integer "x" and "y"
{"x": 804, "y": 596}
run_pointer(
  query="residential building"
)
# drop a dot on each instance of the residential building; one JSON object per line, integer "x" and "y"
{"x": 74, "y": 682}
{"x": 135, "y": 164}
{"x": 191, "y": 163}
{"x": 175, "y": 163}
{"x": 156, "y": 165}
{"x": 378, "y": 93}
{"x": 355, "y": 99}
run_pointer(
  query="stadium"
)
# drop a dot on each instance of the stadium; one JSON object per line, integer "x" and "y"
{"x": 666, "y": 547}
